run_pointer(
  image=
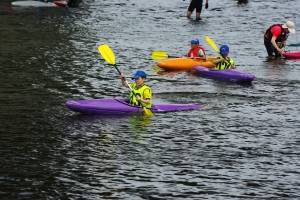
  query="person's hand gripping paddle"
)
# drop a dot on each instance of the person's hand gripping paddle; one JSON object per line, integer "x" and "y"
{"x": 109, "y": 57}
{"x": 214, "y": 46}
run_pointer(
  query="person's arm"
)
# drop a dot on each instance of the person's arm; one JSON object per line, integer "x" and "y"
{"x": 188, "y": 54}
{"x": 233, "y": 65}
{"x": 147, "y": 101}
{"x": 281, "y": 51}
{"x": 276, "y": 31}
{"x": 283, "y": 44}
{"x": 201, "y": 55}
{"x": 147, "y": 96}
{"x": 122, "y": 76}
{"x": 217, "y": 60}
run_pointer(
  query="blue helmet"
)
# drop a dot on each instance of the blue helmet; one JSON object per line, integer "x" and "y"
{"x": 224, "y": 49}
{"x": 194, "y": 41}
{"x": 138, "y": 74}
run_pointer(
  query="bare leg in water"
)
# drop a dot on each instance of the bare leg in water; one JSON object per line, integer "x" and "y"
{"x": 189, "y": 13}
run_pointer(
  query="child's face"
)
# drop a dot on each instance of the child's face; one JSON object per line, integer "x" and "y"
{"x": 193, "y": 46}
{"x": 139, "y": 81}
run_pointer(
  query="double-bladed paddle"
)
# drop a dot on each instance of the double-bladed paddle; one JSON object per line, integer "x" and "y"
{"x": 161, "y": 55}
{"x": 109, "y": 57}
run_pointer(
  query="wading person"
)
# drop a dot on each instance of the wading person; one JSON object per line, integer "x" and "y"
{"x": 196, "y": 4}
{"x": 276, "y": 36}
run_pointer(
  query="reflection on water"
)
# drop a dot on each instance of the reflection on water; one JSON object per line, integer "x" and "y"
{"x": 139, "y": 122}
{"x": 276, "y": 67}
{"x": 10, "y": 9}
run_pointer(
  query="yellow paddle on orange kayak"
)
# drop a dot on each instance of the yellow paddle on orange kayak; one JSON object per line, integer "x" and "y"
{"x": 161, "y": 55}
{"x": 109, "y": 57}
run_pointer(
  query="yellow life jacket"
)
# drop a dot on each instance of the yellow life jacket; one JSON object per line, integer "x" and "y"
{"x": 144, "y": 92}
{"x": 224, "y": 64}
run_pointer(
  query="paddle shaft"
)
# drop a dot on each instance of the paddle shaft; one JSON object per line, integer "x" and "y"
{"x": 147, "y": 111}
{"x": 228, "y": 61}
{"x": 123, "y": 78}
{"x": 173, "y": 56}
{"x": 109, "y": 57}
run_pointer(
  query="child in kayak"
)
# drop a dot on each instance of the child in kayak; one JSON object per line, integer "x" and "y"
{"x": 223, "y": 61}
{"x": 141, "y": 94}
{"x": 196, "y": 50}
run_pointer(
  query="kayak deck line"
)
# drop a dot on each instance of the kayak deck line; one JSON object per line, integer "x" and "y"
{"x": 120, "y": 106}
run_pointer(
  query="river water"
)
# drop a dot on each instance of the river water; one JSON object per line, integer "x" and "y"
{"x": 243, "y": 143}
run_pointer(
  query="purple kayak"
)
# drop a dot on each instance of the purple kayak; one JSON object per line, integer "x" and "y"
{"x": 231, "y": 75}
{"x": 292, "y": 55}
{"x": 119, "y": 106}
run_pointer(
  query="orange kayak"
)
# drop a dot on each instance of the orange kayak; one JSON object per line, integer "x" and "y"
{"x": 183, "y": 64}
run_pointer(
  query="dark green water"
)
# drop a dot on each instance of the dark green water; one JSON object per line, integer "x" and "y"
{"x": 244, "y": 143}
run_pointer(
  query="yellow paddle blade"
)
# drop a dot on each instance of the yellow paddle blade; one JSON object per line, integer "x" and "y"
{"x": 147, "y": 112}
{"x": 159, "y": 55}
{"x": 209, "y": 41}
{"x": 211, "y": 59}
{"x": 107, "y": 54}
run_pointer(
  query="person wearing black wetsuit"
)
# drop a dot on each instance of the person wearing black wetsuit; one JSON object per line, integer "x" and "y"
{"x": 72, "y": 3}
{"x": 198, "y": 5}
